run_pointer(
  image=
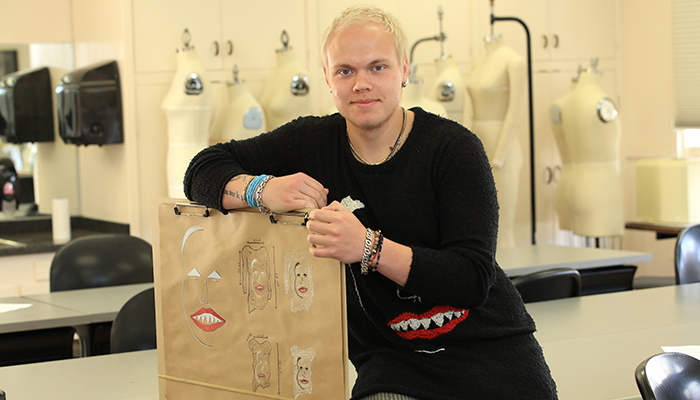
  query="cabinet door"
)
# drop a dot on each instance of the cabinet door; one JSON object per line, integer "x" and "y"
{"x": 158, "y": 32}
{"x": 535, "y": 15}
{"x": 559, "y": 29}
{"x": 583, "y": 29}
{"x": 255, "y": 31}
{"x": 547, "y": 88}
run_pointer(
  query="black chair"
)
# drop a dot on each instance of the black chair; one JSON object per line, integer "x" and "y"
{"x": 669, "y": 376}
{"x": 687, "y": 256}
{"x": 555, "y": 283}
{"x": 99, "y": 261}
{"x": 134, "y": 328}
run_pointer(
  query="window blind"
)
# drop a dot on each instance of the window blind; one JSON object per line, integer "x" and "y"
{"x": 687, "y": 62}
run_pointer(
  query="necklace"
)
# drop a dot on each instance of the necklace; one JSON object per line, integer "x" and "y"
{"x": 393, "y": 149}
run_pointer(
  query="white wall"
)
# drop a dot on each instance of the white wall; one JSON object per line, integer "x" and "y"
{"x": 648, "y": 111}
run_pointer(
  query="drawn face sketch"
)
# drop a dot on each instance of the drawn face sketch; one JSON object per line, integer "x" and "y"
{"x": 302, "y": 370}
{"x": 198, "y": 284}
{"x": 298, "y": 279}
{"x": 261, "y": 362}
{"x": 256, "y": 276}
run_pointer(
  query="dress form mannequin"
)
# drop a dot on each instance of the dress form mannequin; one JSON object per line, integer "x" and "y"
{"x": 286, "y": 94}
{"x": 413, "y": 96}
{"x": 240, "y": 117}
{"x": 188, "y": 107}
{"x": 591, "y": 190}
{"x": 497, "y": 88}
{"x": 449, "y": 88}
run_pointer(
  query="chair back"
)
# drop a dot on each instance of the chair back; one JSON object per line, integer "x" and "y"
{"x": 687, "y": 257}
{"x": 134, "y": 328}
{"x": 550, "y": 284}
{"x": 669, "y": 376}
{"x": 101, "y": 260}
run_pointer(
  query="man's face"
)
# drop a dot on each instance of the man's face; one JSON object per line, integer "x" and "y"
{"x": 365, "y": 75}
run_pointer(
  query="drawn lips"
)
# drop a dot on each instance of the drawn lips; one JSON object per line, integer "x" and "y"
{"x": 260, "y": 288}
{"x": 261, "y": 376}
{"x": 207, "y": 320}
{"x": 304, "y": 381}
{"x": 438, "y": 321}
{"x": 303, "y": 289}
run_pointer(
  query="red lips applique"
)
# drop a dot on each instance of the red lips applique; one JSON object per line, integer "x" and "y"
{"x": 207, "y": 320}
{"x": 431, "y": 324}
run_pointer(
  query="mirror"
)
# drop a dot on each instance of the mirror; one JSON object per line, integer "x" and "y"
{"x": 48, "y": 170}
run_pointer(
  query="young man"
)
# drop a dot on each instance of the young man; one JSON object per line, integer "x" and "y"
{"x": 413, "y": 214}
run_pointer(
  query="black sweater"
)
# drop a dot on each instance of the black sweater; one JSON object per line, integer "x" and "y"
{"x": 458, "y": 328}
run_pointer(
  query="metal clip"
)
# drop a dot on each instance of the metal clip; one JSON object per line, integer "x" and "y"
{"x": 205, "y": 214}
{"x": 303, "y": 215}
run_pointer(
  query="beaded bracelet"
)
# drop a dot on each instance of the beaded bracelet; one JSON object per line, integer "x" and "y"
{"x": 376, "y": 252}
{"x": 245, "y": 190}
{"x": 251, "y": 190}
{"x": 258, "y": 194}
{"x": 364, "y": 265}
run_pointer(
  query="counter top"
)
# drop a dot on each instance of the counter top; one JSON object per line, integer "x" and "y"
{"x": 35, "y": 234}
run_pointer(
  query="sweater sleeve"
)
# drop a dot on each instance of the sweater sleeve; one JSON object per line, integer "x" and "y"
{"x": 461, "y": 271}
{"x": 280, "y": 152}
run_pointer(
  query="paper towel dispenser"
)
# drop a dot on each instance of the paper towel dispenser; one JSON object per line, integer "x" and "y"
{"x": 89, "y": 105}
{"x": 26, "y": 107}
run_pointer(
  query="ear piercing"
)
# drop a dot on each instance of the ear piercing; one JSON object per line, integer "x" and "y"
{"x": 404, "y": 83}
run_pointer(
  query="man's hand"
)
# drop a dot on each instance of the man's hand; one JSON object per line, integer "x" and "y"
{"x": 336, "y": 233}
{"x": 294, "y": 192}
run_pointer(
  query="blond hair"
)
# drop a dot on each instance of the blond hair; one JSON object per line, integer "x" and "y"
{"x": 363, "y": 14}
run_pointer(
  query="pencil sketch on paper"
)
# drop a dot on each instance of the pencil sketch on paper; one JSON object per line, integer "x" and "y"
{"x": 197, "y": 286}
{"x": 260, "y": 349}
{"x": 298, "y": 279}
{"x": 256, "y": 276}
{"x": 302, "y": 369}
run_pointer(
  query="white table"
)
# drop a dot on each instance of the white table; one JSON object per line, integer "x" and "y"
{"x": 132, "y": 376}
{"x": 522, "y": 260}
{"x": 594, "y": 343}
{"x": 100, "y": 304}
{"x": 38, "y": 316}
{"x": 76, "y": 308}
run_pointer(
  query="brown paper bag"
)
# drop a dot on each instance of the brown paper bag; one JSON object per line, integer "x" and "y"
{"x": 243, "y": 310}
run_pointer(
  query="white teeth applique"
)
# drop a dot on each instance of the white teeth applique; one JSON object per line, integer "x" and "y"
{"x": 438, "y": 321}
{"x": 351, "y": 204}
{"x": 207, "y": 319}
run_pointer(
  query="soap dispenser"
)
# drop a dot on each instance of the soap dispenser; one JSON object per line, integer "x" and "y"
{"x": 26, "y": 108}
{"x": 89, "y": 105}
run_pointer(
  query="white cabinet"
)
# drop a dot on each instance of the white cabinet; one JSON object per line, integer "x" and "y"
{"x": 25, "y": 274}
{"x": 220, "y": 31}
{"x": 158, "y": 32}
{"x": 255, "y": 48}
{"x": 560, "y": 30}
{"x": 582, "y": 29}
